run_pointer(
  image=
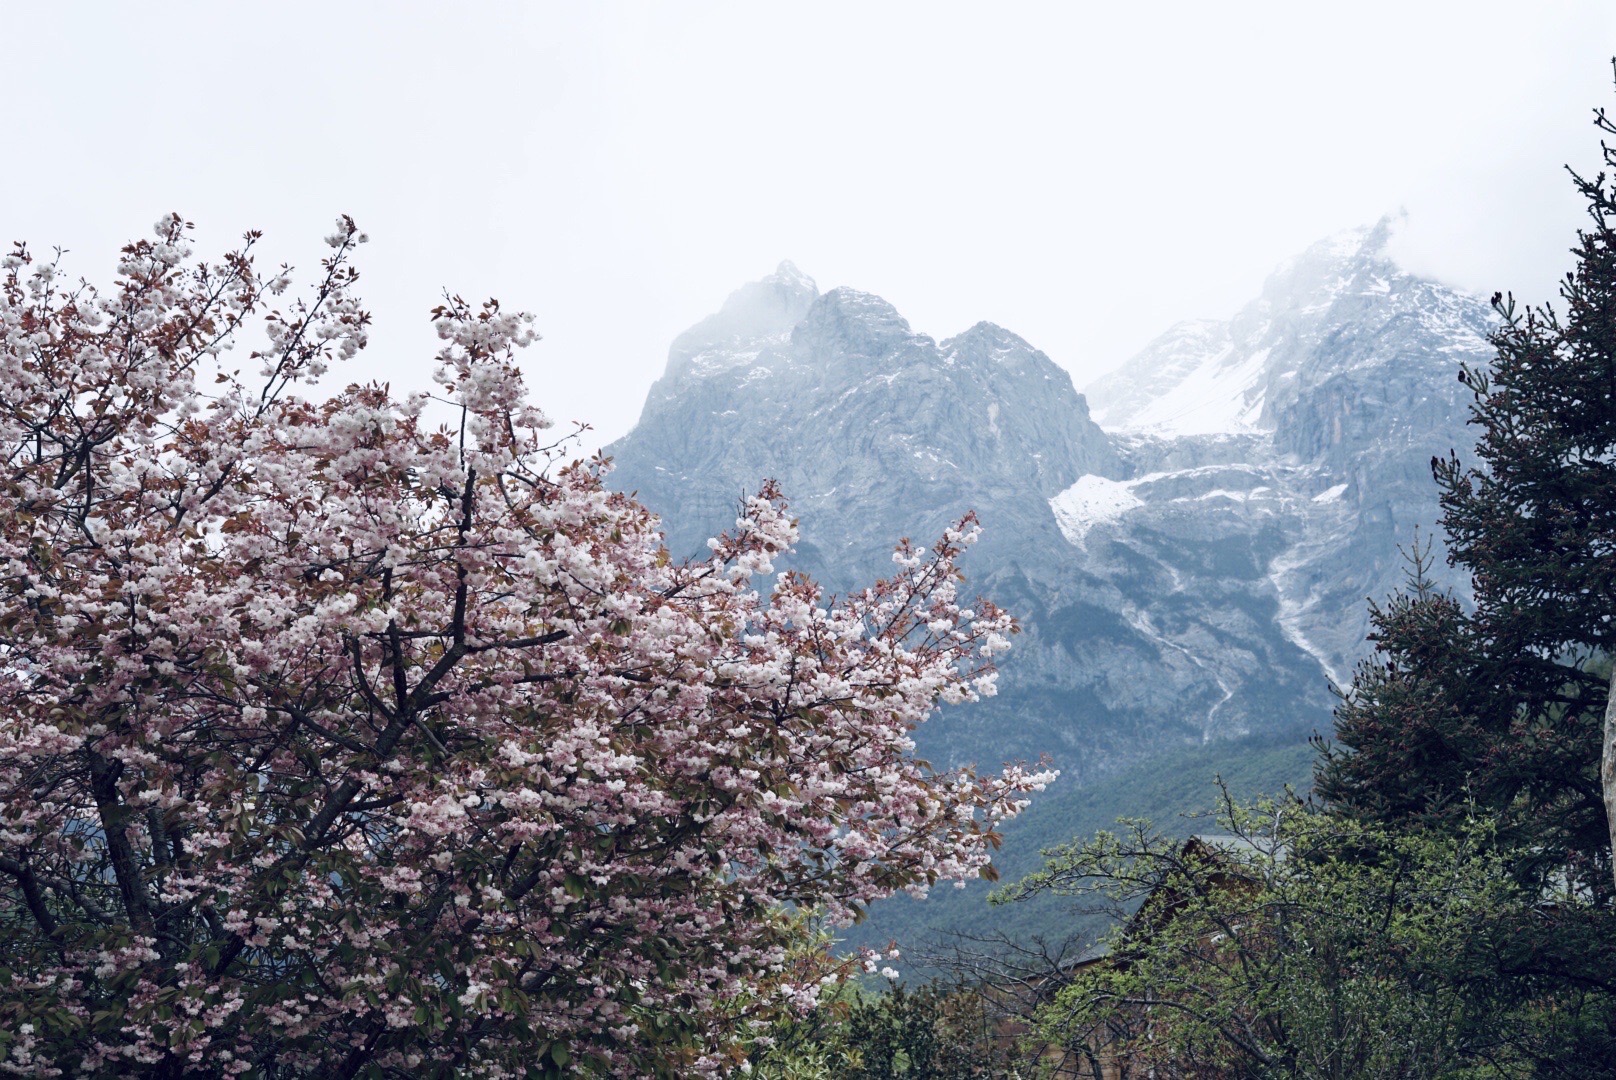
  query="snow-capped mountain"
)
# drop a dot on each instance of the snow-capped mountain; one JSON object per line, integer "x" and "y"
{"x": 1192, "y": 568}
{"x": 1340, "y": 307}
{"x": 1338, "y": 385}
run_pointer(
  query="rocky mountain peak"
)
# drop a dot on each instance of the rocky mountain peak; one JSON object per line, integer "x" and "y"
{"x": 759, "y": 310}
{"x": 1346, "y": 263}
{"x": 988, "y": 335}
{"x": 787, "y": 276}
{"x": 873, "y": 430}
{"x": 1348, "y": 248}
{"x": 1341, "y": 307}
{"x": 995, "y": 344}
{"x": 847, "y": 323}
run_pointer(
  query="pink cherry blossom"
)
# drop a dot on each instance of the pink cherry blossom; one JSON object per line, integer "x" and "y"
{"x": 333, "y": 740}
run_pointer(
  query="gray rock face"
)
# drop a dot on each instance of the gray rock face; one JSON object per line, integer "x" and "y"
{"x": 1341, "y": 380}
{"x": 873, "y": 430}
{"x": 1197, "y": 574}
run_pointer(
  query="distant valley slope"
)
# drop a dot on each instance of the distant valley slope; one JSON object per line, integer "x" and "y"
{"x": 1189, "y": 550}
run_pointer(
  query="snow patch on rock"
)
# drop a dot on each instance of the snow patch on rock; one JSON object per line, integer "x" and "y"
{"x": 1224, "y": 394}
{"x": 1331, "y": 494}
{"x": 1089, "y": 502}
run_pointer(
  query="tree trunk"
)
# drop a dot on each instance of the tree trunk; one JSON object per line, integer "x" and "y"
{"x": 1607, "y": 768}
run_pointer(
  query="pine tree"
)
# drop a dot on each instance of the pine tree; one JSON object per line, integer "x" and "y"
{"x": 1437, "y": 727}
{"x": 1508, "y": 710}
{"x": 1535, "y": 521}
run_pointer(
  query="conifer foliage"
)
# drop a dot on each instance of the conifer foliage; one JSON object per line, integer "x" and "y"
{"x": 1536, "y": 522}
{"x": 337, "y": 742}
{"x": 1509, "y": 705}
{"x": 1438, "y": 727}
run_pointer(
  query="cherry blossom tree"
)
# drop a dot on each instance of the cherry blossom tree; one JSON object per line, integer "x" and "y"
{"x": 338, "y": 740}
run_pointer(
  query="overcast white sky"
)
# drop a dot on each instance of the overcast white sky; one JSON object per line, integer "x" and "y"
{"x": 1083, "y": 174}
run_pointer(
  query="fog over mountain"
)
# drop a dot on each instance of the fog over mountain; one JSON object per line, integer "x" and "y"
{"x": 1189, "y": 547}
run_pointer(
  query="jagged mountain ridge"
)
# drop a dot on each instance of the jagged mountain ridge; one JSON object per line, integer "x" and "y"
{"x": 1338, "y": 386}
{"x": 850, "y": 410}
{"x": 1341, "y": 306}
{"x": 1174, "y": 587}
